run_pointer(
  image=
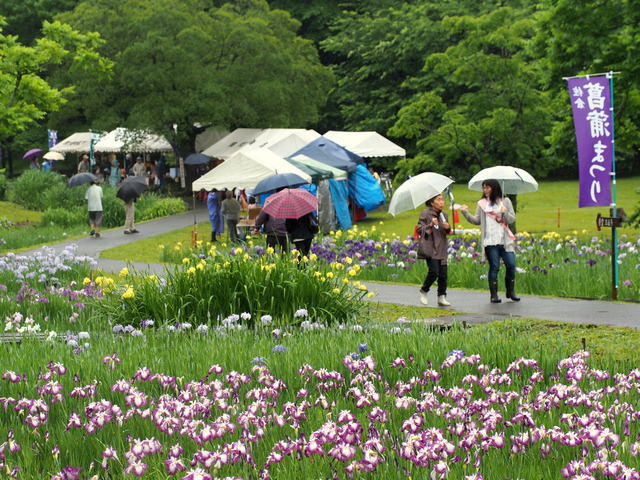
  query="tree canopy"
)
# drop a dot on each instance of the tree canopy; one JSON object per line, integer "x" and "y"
{"x": 26, "y": 97}
{"x": 188, "y": 63}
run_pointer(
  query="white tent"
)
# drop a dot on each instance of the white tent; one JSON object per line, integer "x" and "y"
{"x": 282, "y": 141}
{"x": 245, "y": 169}
{"x": 79, "y": 142}
{"x": 121, "y": 139}
{"x": 366, "y": 144}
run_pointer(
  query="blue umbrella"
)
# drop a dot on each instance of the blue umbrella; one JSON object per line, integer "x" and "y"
{"x": 278, "y": 181}
{"x": 196, "y": 159}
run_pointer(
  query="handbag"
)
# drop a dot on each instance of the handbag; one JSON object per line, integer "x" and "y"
{"x": 313, "y": 224}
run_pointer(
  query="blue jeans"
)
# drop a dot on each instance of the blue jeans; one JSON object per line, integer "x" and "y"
{"x": 494, "y": 253}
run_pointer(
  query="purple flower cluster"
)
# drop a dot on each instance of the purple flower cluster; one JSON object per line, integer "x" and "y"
{"x": 231, "y": 420}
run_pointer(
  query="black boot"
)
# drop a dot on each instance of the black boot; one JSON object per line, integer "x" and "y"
{"x": 511, "y": 289}
{"x": 213, "y": 237}
{"x": 493, "y": 289}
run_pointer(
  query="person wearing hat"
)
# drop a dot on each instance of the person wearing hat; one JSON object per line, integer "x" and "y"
{"x": 139, "y": 168}
{"x": 83, "y": 166}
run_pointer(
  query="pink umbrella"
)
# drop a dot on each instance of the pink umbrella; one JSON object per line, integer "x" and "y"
{"x": 290, "y": 203}
{"x": 33, "y": 153}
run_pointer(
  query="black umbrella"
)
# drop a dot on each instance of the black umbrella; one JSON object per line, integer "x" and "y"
{"x": 277, "y": 182}
{"x": 131, "y": 188}
{"x": 80, "y": 179}
{"x": 196, "y": 159}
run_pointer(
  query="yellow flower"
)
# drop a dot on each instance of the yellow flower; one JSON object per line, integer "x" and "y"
{"x": 362, "y": 287}
{"x": 177, "y": 248}
{"x": 378, "y": 245}
{"x": 313, "y": 257}
{"x": 329, "y": 274}
{"x": 317, "y": 274}
{"x": 348, "y": 260}
{"x": 200, "y": 266}
{"x": 381, "y": 223}
{"x": 227, "y": 264}
{"x": 86, "y": 280}
{"x": 246, "y": 257}
{"x": 238, "y": 251}
{"x": 353, "y": 273}
{"x": 370, "y": 295}
{"x": 191, "y": 270}
{"x": 345, "y": 280}
{"x": 186, "y": 260}
{"x": 270, "y": 251}
{"x": 160, "y": 247}
{"x": 124, "y": 272}
{"x": 336, "y": 290}
{"x": 153, "y": 278}
{"x": 128, "y": 293}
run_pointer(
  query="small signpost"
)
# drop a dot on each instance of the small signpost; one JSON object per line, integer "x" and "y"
{"x": 608, "y": 222}
{"x": 613, "y": 221}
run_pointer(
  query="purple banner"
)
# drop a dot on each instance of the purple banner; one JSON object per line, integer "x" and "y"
{"x": 591, "y": 105}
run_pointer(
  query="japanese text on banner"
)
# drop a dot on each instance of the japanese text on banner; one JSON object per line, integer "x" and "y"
{"x": 591, "y": 106}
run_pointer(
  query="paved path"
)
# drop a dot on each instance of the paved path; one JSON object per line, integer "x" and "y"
{"x": 474, "y": 307}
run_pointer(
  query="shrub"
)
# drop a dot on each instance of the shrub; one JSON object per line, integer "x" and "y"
{"x": 205, "y": 290}
{"x": 28, "y": 189}
{"x": 151, "y": 206}
{"x": 3, "y": 185}
{"x": 64, "y": 217}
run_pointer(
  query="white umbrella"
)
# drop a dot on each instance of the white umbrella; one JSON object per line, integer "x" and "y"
{"x": 512, "y": 180}
{"x": 417, "y": 190}
{"x": 53, "y": 156}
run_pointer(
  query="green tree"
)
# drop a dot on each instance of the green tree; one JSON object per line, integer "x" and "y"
{"x": 187, "y": 62}
{"x": 25, "y": 96}
{"x": 589, "y": 37}
{"x": 483, "y": 104}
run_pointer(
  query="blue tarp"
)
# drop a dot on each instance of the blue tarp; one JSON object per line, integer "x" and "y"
{"x": 326, "y": 151}
{"x": 365, "y": 189}
{"x": 339, "y": 196}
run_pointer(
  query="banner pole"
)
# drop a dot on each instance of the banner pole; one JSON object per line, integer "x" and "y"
{"x": 614, "y": 239}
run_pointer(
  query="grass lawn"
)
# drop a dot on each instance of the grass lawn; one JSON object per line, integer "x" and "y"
{"x": 553, "y": 208}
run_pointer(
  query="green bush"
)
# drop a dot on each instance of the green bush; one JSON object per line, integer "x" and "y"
{"x": 151, "y": 206}
{"x": 3, "y": 185}
{"x": 59, "y": 196}
{"x": 28, "y": 189}
{"x": 64, "y": 217}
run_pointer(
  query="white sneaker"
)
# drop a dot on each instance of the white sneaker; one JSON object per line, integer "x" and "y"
{"x": 423, "y": 298}
{"x": 442, "y": 301}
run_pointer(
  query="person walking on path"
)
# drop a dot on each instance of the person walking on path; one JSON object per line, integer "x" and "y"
{"x": 302, "y": 231}
{"x": 215, "y": 215}
{"x": 494, "y": 214}
{"x": 231, "y": 212}
{"x": 94, "y": 203}
{"x": 274, "y": 228}
{"x": 129, "y": 216}
{"x": 433, "y": 227}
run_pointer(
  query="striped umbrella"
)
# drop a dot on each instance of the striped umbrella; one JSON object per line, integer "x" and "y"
{"x": 290, "y": 203}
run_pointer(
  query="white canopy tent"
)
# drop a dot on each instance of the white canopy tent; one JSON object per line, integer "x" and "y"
{"x": 79, "y": 142}
{"x": 282, "y": 141}
{"x": 122, "y": 139}
{"x": 245, "y": 169}
{"x": 366, "y": 144}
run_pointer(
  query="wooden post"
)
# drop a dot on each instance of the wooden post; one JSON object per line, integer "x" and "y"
{"x": 558, "y": 217}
